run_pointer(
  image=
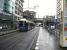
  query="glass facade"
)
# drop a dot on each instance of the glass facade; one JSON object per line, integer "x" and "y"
{"x": 9, "y": 6}
{"x": 1, "y": 5}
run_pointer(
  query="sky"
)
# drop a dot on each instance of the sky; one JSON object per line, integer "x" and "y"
{"x": 44, "y": 7}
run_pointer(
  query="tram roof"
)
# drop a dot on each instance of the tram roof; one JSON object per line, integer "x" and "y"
{"x": 26, "y": 20}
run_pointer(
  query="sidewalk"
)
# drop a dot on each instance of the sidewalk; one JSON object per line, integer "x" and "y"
{"x": 45, "y": 41}
{"x": 7, "y": 32}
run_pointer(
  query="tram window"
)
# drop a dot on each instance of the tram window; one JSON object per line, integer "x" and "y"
{"x": 21, "y": 23}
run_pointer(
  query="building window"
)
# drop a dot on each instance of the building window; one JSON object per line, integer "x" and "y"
{"x": 16, "y": 12}
{"x": 16, "y": 7}
{"x": 19, "y": 2}
{"x": 18, "y": 18}
{"x": 16, "y": 3}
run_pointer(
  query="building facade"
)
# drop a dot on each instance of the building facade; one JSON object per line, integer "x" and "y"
{"x": 10, "y": 12}
{"x": 7, "y": 11}
{"x": 30, "y": 15}
{"x": 7, "y": 6}
{"x": 19, "y": 9}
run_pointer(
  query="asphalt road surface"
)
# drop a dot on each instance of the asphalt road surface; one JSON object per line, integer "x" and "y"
{"x": 38, "y": 39}
{"x": 19, "y": 40}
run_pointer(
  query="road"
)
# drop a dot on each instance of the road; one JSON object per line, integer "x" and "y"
{"x": 38, "y": 39}
{"x": 19, "y": 40}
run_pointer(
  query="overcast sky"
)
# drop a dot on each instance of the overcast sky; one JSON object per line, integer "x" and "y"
{"x": 46, "y": 7}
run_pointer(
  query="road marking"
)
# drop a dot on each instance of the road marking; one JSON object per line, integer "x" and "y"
{"x": 36, "y": 48}
{"x": 37, "y": 43}
{"x": 9, "y": 38}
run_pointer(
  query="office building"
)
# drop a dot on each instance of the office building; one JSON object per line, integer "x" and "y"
{"x": 7, "y": 11}
{"x": 7, "y": 6}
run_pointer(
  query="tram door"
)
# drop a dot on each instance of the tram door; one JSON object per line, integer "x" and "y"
{"x": 63, "y": 34}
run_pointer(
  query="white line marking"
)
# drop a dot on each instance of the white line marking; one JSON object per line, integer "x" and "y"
{"x": 37, "y": 43}
{"x": 36, "y": 48}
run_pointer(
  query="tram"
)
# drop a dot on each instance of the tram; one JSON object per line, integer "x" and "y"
{"x": 63, "y": 28}
{"x": 25, "y": 25}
